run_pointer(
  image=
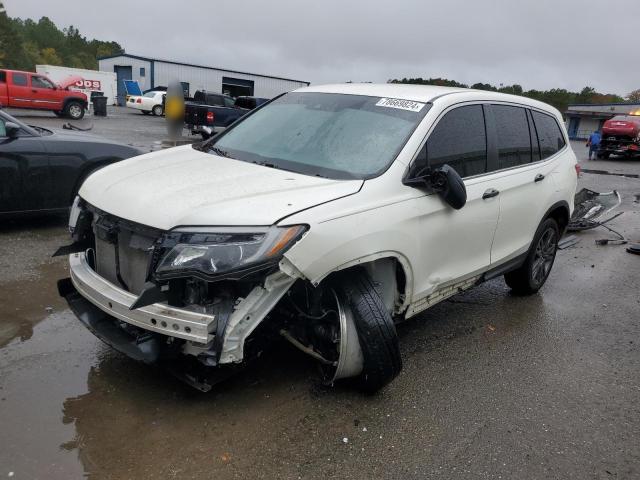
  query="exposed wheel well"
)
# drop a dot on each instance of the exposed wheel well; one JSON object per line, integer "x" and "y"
{"x": 68, "y": 100}
{"x": 390, "y": 279}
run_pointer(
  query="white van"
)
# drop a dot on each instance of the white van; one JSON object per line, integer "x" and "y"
{"x": 324, "y": 217}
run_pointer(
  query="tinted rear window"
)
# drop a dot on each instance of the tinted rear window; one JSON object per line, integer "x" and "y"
{"x": 3, "y": 77}
{"x": 550, "y": 136}
{"x": 459, "y": 140}
{"x": 512, "y": 131}
{"x": 20, "y": 79}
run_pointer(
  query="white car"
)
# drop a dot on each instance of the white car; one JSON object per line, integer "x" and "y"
{"x": 324, "y": 218}
{"x": 150, "y": 102}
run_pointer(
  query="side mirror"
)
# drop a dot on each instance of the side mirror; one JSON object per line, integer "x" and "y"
{"x": 449, "y": 185}
{"x": 444, "y": 181}
{"x": 12, "y": 129}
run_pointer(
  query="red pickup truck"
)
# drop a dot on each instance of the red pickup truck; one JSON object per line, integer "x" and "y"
{"x": 32, "y": 90}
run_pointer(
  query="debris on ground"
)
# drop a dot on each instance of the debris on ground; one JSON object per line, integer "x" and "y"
{"x": 590, "y": 209}
{"x": 634, "y": 248}
{"x": 567, "y": 242}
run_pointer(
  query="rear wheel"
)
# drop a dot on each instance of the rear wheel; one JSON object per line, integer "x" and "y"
{"x": 157, "y": 110}
{"x": 532, "y": 275}
{"x": 74, "y": 110}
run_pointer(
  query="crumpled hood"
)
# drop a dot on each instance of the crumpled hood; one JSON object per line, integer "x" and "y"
{"x": 67, "y": 82}
{"x": 184, "y": 187}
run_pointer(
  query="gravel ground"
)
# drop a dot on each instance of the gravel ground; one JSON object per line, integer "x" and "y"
{"x": 494, "y": 386}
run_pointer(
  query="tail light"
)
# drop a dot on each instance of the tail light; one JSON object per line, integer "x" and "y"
{"x": 210, "y": 117}
{"x": 139, "y": 100}
{"x": 578, "y": 169}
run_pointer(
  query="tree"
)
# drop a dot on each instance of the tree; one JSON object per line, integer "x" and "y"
{"x": 634, "y": 97}
{"x": 26, "y": 43}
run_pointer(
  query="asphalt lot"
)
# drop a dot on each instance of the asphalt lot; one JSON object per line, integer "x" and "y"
{"x": 494, "y": 386}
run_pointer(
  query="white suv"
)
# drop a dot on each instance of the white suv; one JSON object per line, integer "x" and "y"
{"x": 324, "y": 217}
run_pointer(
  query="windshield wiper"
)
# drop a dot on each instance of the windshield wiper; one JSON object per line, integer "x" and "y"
{"x": 219, "y": 151}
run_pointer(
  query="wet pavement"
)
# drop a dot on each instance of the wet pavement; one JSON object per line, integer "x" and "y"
{"x": 493, "y": 385}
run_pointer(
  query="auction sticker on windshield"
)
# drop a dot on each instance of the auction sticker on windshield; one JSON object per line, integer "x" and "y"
{"x": 401, "y": 104}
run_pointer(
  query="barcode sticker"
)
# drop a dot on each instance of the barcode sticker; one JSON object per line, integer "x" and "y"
{"x": 401, "y": 104}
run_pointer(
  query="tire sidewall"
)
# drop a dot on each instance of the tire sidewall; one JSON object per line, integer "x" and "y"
{"x": 544, "y": 226}
{"x": 157, "y": 110}
{"x": 69, "y": 108}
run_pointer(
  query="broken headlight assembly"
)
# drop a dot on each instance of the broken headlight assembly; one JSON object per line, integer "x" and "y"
{"x": 217, "y": 251}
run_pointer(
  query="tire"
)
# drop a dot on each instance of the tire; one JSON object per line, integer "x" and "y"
{"x": 531, "y": 276}
{"x": 376, "y": 331}
{"x": 157, "y": 110}
{"x": 145, "y": 112}
{"x": 74, "y": 110}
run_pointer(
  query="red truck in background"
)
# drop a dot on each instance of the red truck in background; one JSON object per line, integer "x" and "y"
{"x": 36, "y": 91}
{"x": 620, "y": 136}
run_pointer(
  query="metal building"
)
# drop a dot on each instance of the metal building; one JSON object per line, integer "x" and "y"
{"x": 153, "y": 72}
{"x": 584, "y": 119}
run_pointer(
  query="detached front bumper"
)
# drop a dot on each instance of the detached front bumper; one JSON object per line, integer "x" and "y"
{"x": 159, "y": 318}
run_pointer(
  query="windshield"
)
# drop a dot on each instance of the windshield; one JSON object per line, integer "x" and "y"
{"x": 330, "y": 135}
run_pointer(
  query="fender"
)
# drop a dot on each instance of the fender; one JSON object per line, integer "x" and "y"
{"x": 66, "y": 101}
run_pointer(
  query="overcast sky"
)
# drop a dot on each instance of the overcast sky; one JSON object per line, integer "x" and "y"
{"x": 536, "y": 43}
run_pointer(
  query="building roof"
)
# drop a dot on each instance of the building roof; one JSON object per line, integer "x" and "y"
{"x": 172, "y": 62}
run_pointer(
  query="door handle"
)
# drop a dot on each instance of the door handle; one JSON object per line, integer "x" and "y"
{"x": 33, "y": 90}
{"x": 492, "y": 192}
{"x": 539, "y": 178}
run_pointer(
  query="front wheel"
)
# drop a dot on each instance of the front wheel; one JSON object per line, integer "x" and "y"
{"x": 74, "y": 110}
{"x": 532, "y": 275}
{"x": 368, "y": 349}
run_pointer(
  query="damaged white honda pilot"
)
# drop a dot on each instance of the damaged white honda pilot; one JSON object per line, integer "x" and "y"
{"x": 324, "y": 217}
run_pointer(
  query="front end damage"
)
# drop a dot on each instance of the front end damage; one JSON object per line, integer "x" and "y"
{"x": 206, "y": 319}
{"x": 116, "y": 290}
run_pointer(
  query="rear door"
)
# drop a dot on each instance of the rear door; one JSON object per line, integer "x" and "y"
{"x": 45, "y": 94}
{"x": 527, "y": 143}
{"x": 19, "y": 90}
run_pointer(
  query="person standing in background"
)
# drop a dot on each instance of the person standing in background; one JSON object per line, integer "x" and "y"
{"x": 174, "y": 109}
{"x": 594, "y": 143}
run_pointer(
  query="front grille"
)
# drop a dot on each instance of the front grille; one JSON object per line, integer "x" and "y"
{"x": 123, "y": 252}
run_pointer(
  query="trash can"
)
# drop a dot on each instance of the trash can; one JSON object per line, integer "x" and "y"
{"x": 99, "y": 105}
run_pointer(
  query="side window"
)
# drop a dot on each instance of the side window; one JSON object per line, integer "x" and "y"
{"x": 228, "y": 102}
{"x": 459, "y": 140}
{"x": 40, "y": 82}
{"x": 513, "y": 139}
{"x": 3, "y": 77}
{"x": 19, "y": 79}
{"x": 549, "y": 134}
{"x": 3, "y": 129}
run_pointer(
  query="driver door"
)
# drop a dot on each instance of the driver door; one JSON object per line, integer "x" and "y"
{"x": 24, "y": 172}
{"x": 45, "y": 94}
{"x": 456, "y": 244}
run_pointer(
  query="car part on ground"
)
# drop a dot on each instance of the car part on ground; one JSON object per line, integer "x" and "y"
{"x": 591, "y": 207}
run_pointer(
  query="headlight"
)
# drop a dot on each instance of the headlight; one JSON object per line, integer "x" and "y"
{"x": 218, "y": 250}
